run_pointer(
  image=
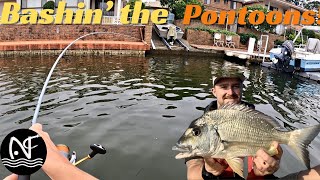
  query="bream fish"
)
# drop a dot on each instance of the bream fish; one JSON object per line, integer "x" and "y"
{"x": 236, "y": 131}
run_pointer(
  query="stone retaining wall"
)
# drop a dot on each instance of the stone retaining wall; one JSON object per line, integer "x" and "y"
{"x": 272, "y": 37}
{"x": 205, "y": 38}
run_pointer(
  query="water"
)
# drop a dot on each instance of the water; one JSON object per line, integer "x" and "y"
{"x": 138, "y": 107}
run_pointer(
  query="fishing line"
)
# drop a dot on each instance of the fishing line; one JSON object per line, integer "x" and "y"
{"x": 96, "y": 148}
{"x": 35, "y": 116}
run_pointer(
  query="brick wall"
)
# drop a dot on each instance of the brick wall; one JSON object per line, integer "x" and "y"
{"x": 70, "y": 32}
{"x": 220, "y": 6}
{"x": 148, "y": 32}
{"x": 204, "y": 38}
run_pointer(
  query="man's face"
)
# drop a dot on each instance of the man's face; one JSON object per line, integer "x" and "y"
{"x": 228, "y": 90}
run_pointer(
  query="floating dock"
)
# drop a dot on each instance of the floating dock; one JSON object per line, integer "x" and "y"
{"x": 246, "y": 55}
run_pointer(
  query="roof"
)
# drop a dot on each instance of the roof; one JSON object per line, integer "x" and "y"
{"x": 247, "y": 1}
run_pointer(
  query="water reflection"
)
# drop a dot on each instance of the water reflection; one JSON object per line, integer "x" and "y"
{"x": 138, "y": 107}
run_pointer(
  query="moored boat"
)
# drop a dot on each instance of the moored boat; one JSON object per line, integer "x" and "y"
{"x": 162, "y": 30}
{"x": 305, "y": 59}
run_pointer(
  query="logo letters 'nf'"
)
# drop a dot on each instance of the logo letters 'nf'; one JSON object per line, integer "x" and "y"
{"x": 23, "y": 146}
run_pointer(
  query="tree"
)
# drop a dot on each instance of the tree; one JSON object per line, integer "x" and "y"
{"x": 264, "y": 27}
{"x": 296, "y": 2}
{"x": 132, "y": 3}
{"x": 312, "y": 5}
{"x": 49, "y": 5}
{"x": 178, "y": 7}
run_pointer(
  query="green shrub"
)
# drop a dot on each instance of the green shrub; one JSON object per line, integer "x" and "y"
{"x": 179, "y": 7}
{"x": 278, "y": 42}
{"x": 213, "y": 31}
{"x": 244, "y": 37}
{"x": 309, "y": 33}
{"x": 298, "y": 41}
{"x": 317, "y": 35}
{"x": 49, "y": 5}
{"x": 291, "y": 37}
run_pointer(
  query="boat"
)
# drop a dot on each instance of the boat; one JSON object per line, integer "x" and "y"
{"x": 289, "y": 58}
{"x": 162, "y": 30}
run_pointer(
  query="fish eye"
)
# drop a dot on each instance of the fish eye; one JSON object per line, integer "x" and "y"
{"x": 196, "y": 131}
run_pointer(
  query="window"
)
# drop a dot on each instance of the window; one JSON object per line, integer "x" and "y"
{"x": 226, "y": 1}
{"x": 57, "y": 2}
{"x": 24, "y": 4}
{"x": 207, "y": 1}
{"x": 273, "y": 8}
{"x": 233, "y": 5}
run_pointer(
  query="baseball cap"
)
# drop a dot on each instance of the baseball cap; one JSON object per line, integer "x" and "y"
{"x": 227, "y": 74}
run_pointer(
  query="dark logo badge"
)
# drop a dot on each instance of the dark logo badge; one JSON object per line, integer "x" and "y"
{"x": 23, "y": 152}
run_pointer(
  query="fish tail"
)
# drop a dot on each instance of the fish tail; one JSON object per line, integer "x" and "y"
{"x": 300, "y": 139}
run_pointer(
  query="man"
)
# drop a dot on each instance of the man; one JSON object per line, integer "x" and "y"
{"x": 227, "y": 88}
{"x": 172, "y": 34}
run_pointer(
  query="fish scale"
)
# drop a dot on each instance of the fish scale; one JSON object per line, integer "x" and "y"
{"x": 236, "y": 132}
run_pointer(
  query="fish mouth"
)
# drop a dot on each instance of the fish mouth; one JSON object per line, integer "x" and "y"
{"x": 185, "y": 151}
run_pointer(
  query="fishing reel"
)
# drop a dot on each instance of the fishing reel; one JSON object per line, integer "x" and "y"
{"x": 65, "y": 151}
{"x": 72, "y": 157}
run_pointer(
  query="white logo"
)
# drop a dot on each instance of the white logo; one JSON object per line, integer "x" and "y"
{"x": 23, "y": 146}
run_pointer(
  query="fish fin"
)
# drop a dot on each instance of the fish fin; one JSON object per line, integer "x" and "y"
{"x": 252, "y": 112}
{"x": 300, "y": 139}
{"x": 236, "y": 164}
{"x": 239, "y": 107}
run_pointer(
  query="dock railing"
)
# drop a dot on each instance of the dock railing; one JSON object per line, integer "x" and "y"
{"x": 265, "y": 47}
{"x": 110, "y": 20}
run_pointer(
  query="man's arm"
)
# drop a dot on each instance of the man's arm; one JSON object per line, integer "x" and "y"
{"x": 56, "y": 166}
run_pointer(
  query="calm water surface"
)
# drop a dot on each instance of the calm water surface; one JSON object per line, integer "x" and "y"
{"x": 139, "y": 107}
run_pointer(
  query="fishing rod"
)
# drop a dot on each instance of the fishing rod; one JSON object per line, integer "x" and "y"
{"x": 64, "y": 149}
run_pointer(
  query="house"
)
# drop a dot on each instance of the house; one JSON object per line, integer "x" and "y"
{"x": 282, "y": 6}
{"x": 272, "y": 5}
{"x": 221, "y": 5}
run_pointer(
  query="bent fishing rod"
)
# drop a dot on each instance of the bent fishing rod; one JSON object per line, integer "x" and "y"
{"x": 96, "y": 148}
